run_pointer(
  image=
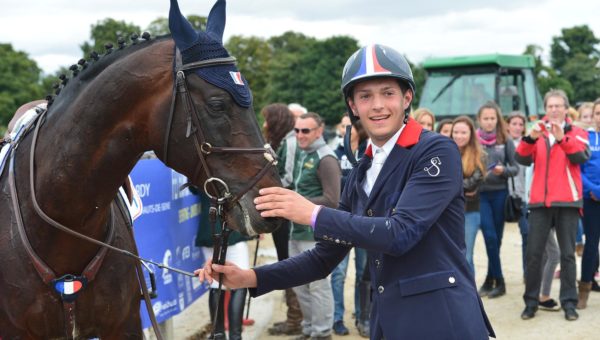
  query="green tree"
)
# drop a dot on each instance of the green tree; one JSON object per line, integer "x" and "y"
{"x": 583, "y": 73}
{"x": 575, "y": 58}
{"x": 108, "y": 31}
{"x": 286, "y": 68}
{"x": 419, "y": 76}
{"x": 253, "y": 56}
{"x": 19, "y": 81}
{"x": 546, "y": 77}
{"x": 321, "y": 75}
{"x": 573, "y": 41}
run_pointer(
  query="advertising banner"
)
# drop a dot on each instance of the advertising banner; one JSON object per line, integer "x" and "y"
{"x": 165, "y": 232}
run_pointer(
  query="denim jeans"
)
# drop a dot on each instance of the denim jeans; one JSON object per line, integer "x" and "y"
{"x": 579, "y": 237}
{"x": 491, "y": 206}
{"x": 591, "y": 225}
{"x": 472, "y": 223}
{"x": 338, "y": 276}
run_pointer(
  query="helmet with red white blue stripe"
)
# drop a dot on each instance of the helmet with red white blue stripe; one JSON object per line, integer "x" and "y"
{"x": 375, "y": 61}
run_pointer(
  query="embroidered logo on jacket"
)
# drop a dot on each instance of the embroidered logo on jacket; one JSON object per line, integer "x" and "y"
{"x": 433, "y": 170}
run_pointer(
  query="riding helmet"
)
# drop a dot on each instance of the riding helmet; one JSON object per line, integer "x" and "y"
{"x": 375, "y": 61}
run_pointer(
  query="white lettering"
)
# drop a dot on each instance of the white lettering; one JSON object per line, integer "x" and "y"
{"x": 185, "y": 254}
{"x": 143, "y": 189}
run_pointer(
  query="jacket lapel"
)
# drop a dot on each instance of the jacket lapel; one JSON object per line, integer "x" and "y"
{"x": 400, "y": 153}
{"x": 363, "y": 165}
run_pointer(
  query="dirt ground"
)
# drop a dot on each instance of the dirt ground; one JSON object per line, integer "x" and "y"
{"x": 504, "y": 312}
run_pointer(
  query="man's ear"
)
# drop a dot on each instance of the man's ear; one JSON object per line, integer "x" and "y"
{"x": 352, "y": 107}
{"x": 408, "y": 97}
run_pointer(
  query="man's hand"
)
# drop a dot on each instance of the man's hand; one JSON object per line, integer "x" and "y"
{"x": 536, "y": 131}
{"x": 557, "y": 131}
{"x": 233, "y": 276}
{"x": 280, "y": 202}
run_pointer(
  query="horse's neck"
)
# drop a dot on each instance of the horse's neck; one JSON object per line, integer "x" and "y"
{"x": 85, "y": 151}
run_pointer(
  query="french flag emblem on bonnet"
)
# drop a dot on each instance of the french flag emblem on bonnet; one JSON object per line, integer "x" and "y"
{"x": 198, "y": 46}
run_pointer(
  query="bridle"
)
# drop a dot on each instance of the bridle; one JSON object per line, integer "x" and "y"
{"x": 226, "y": 200}
{"x": 220, "y": 203}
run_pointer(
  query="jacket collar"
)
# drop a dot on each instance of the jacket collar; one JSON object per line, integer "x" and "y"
{"x": 409, "y": 136}
{"x": 318, "y": 143}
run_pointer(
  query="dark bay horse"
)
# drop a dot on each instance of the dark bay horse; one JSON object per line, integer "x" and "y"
{"x": 193, "y": 109}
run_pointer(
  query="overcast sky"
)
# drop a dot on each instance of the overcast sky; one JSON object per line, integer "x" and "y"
{"x": 50, "y": 31}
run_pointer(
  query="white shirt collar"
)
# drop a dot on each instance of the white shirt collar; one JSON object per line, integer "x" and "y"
{"x": 389, "y": 145}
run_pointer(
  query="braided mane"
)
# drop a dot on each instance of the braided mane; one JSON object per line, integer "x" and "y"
{"x": 87, "y": 69}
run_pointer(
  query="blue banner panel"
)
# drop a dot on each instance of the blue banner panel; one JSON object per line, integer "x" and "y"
{"x": 165, "y": 233}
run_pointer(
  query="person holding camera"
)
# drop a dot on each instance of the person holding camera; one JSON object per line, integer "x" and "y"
{"x": 557, "y": 149}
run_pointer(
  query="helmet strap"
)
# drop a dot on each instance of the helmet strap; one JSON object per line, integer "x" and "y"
{"x": 348, "y": 146}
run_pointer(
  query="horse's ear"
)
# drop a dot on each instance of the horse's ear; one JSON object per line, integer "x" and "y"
{"x": 182, "y": 31}
{"x": 215, "y": 24}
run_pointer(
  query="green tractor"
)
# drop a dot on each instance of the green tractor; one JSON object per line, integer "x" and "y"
{"x": 460, "y": 85}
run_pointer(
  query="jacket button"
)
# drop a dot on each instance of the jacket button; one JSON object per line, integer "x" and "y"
{"x": 451, "y": 279}
{"x": 380, "y": 289}
{"x": 393, "y": 210}
{"x": 337, "y": 240}
{"x": 370, "y": 212}
{"x": 377, "y": 263}
{"x": 325, "y": 237}
{"x": 343, "y": 242}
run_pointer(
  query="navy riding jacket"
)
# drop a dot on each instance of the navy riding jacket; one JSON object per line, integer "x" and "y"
{"x": 413, "y": 227}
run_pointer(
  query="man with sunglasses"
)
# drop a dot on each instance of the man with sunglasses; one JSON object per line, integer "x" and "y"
{"x": 316, "y": 175}
{"x": 403, "y": 202}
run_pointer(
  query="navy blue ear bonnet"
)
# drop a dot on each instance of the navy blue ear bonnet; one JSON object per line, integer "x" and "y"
{"x": 197, "y": 46}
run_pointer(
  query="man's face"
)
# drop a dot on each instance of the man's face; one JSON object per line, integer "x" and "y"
{"x": 307, "y": 131}
{"x": 556, "y": 110}
{"x": 380, "y": 104}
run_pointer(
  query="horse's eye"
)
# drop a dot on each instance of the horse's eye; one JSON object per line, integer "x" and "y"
{"x": 216, "y": 105}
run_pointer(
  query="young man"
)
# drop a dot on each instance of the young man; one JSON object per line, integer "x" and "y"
{"x": 555, "y": 198}
{"x": 403, "y": 203}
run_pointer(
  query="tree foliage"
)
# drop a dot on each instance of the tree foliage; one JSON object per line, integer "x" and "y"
{"x": 574, "y": 57}
{"x": 547, "y": 77}
{"x": 293, "y": 67}
{"x": 108, "y": 31}
{"x": 19, "y": 81}
{"x": 253, "y": 56}
{"x": 419, "y": 76}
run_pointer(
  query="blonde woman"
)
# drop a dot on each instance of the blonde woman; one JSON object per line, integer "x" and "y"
{"x": 425, "y": 118}
{"x": 473, "y": 165}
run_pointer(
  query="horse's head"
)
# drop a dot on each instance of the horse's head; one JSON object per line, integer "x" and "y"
{"x": 212, "y": 134}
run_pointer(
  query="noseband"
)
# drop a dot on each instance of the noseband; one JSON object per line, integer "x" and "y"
{"x": 203, "y": 149}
